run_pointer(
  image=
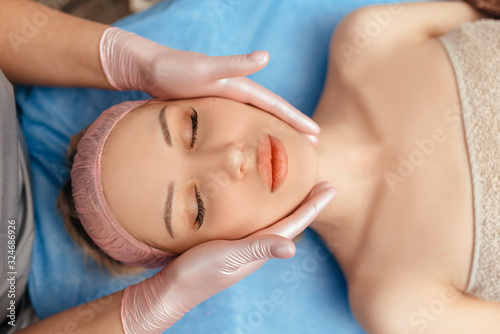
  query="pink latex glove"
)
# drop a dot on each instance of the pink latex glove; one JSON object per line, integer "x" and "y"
{"x": 158, "y": 302}
{"x": 131, "y": 62}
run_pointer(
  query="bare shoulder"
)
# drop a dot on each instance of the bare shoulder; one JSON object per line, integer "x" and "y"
{"x": 417, "y": 307}
{"x": 374, "y": 32}
{"x": 363, "y": 32}
{"x": 381, "y": 306}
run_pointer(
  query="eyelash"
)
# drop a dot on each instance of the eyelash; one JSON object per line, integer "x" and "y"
{"x": 194, "y": 121}
{"x": 201, "y": 209}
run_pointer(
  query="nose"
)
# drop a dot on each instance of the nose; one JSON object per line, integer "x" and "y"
{"x": 232, "y": 162}
{"x": 225, "y": 162}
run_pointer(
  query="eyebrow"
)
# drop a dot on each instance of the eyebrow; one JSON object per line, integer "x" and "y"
{"x": 167, "y": 215}
{"x": 164, "y": 126}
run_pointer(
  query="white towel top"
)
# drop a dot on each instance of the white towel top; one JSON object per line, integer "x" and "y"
{"x": 474, "y": 51}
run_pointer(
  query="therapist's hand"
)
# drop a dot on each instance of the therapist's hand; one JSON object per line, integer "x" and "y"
{"x": 158, "y": 302}
{"x": 131, "y": 62}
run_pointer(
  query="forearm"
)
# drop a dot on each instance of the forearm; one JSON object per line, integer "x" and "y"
{"x": 42, "y": 46}
{"x": 98, "y": 316}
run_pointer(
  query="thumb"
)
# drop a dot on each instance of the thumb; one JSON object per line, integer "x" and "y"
{"x": 235, "y": 66}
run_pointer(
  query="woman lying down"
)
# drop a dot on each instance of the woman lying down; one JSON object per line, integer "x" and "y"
{"x": 410, "y": 138}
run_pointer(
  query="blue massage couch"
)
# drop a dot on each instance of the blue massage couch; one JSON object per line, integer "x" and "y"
{"x": 305, "y": 294}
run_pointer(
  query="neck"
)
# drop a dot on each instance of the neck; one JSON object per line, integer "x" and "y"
{"x": 350, "y": 163}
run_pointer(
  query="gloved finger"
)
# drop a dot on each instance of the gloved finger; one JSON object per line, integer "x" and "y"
{"x": 297, "y": 222}
{"x": 261, "y": 247}
{"x": 252, "y": 252}
{"x": 312, "y": 139}
{"x": 316, "y": 189}
{"x": 245, "y": 90}
{"x": 223, "y": 67}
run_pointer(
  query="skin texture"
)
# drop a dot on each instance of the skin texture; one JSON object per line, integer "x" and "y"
{"x": 26, "y": 59}
{"x": 404, "y": 243}
{"x": 138, "y": 167}
{"x": 407, "y": 248}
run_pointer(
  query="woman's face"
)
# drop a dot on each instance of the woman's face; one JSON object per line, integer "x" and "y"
{"x": 174, "y": 187}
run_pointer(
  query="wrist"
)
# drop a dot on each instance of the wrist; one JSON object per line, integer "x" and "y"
{"x": 126, "y": 58}
{"x": 151, "y": 306}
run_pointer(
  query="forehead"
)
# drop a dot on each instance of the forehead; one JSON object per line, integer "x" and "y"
{"x": 130, "y": 163}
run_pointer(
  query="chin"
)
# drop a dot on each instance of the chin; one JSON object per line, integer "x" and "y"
{"x": 302, "y": 173}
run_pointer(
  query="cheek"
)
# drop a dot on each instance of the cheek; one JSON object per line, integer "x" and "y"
{"x": 241, "y": 125}
{"x": 302, "y": 167}
{"x": 240, "y": 211}
{"x": 243, "y": 210}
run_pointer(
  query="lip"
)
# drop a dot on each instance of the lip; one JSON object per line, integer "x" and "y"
{"x": 272, "y": 162}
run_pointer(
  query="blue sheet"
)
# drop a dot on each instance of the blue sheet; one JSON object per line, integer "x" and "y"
{"x": 305, "y": 294}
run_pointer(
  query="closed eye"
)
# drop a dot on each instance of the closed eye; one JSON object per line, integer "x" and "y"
{"x": 201, "y": 209}
{"x": 194, "y": 122}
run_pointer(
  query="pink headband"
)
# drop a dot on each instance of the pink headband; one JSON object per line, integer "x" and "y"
{"x": 90, "y": 203}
